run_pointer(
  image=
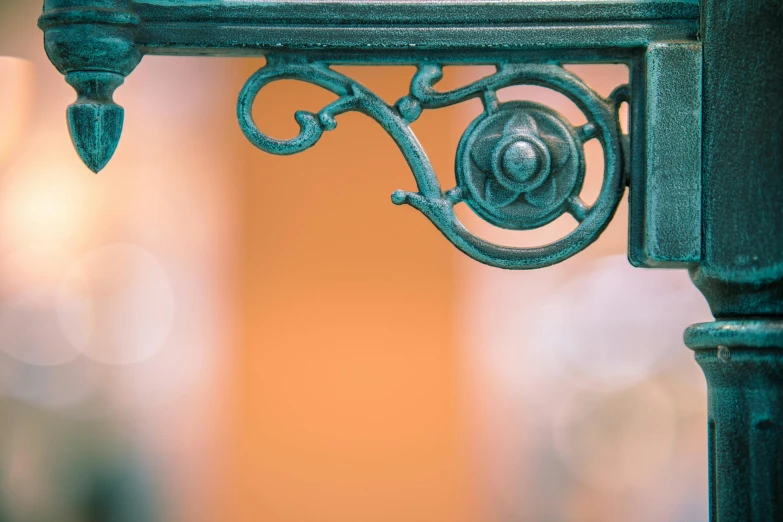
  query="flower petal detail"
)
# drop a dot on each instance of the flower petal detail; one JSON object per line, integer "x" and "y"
{"x": 559, "y": 150}
{"x": 481, "y": 151}
{"x": 544, "y": 195}
{"x": 521, "y": 123}
{"x": 497, "y": 195}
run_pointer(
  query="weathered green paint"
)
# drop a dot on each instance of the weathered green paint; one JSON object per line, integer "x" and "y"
{"x": 743, "y": 362}
{"x": 741, "y": 267}
{"x": 93, "y": 43}
{"x": 95, "y": 121}
{"x": 457, "y": 27}
{"x": 526, "y": 207}
{"x": 703, "y": 161}
{"x": 665, "y": 203}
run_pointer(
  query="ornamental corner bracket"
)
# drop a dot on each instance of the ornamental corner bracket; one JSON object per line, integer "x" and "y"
{"x": 701, "y": 159}
{"x": 520, "y": 165}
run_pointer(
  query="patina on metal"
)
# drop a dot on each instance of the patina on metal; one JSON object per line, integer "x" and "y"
{"x": 703, "y": 159}
{"x": 519, "y": 165}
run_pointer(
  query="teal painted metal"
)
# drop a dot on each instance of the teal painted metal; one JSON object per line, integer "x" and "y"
{"x": 703, "y": 162}
{"x": 741, "y": 267}
{"x": 665, "y": 203}
{"x": 495, "y": 183}
{"x": 93, "y": 44}
{"x": 743, "y": 362}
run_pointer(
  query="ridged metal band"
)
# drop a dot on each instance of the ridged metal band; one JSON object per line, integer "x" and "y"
{"x": 748, "y": 333}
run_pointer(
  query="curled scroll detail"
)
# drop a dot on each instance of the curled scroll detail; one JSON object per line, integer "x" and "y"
{"x": 520, "y": 165}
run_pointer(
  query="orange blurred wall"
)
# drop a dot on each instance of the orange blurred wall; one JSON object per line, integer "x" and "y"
{"x": 346, "y": 397}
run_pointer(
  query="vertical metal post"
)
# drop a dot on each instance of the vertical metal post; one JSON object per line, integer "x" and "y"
{"x": 741, "y": 270}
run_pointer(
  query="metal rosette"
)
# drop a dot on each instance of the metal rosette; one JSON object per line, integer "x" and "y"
{"x": 521, "y": 164}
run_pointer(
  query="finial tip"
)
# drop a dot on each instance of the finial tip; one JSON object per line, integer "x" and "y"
{"x": 95, "y": 121}
{"x": 95, "y": 131}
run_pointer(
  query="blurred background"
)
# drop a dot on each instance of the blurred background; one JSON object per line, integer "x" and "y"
{"x": 205, "y": 332}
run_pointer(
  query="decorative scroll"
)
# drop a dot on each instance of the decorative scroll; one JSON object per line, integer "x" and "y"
{"x": 520, "y": 165}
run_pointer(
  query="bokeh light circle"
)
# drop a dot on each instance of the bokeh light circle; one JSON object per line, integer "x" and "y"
{"x": 614, "y": 325}
{"x": 29, "y": 332}
{"x": 617, "y": 441}
{"x": 116, "y": 305}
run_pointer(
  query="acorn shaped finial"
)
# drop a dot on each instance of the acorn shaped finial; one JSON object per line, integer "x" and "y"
{"x": 93, "y": 43}
{"x": 95, "y": 121}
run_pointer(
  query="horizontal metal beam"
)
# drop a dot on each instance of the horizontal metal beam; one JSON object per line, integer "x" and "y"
{"x": 417, "y": 12}
{"x": 242, "y": 40}
{"x": 253, "y": 26}
{"x": 97, "y": 43}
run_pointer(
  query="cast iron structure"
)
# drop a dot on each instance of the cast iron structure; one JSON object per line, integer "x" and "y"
{"x": 703, "y": 160}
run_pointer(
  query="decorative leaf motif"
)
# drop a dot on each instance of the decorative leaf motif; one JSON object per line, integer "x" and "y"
{"x": 498, "y": 195}
{"x": 482, "y": 151}
{"x": 503, "y": 186}
{"x": 558, "y": 150}
{"x": 543, "y": 195}
{"x": 521, "y": 123}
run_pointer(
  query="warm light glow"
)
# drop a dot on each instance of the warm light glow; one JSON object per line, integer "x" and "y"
{"x": 16, "y": 102}
{"x": 45, "y": 202}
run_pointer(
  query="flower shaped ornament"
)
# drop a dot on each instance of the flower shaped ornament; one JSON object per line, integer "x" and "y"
{"x": 520, "y": 164}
